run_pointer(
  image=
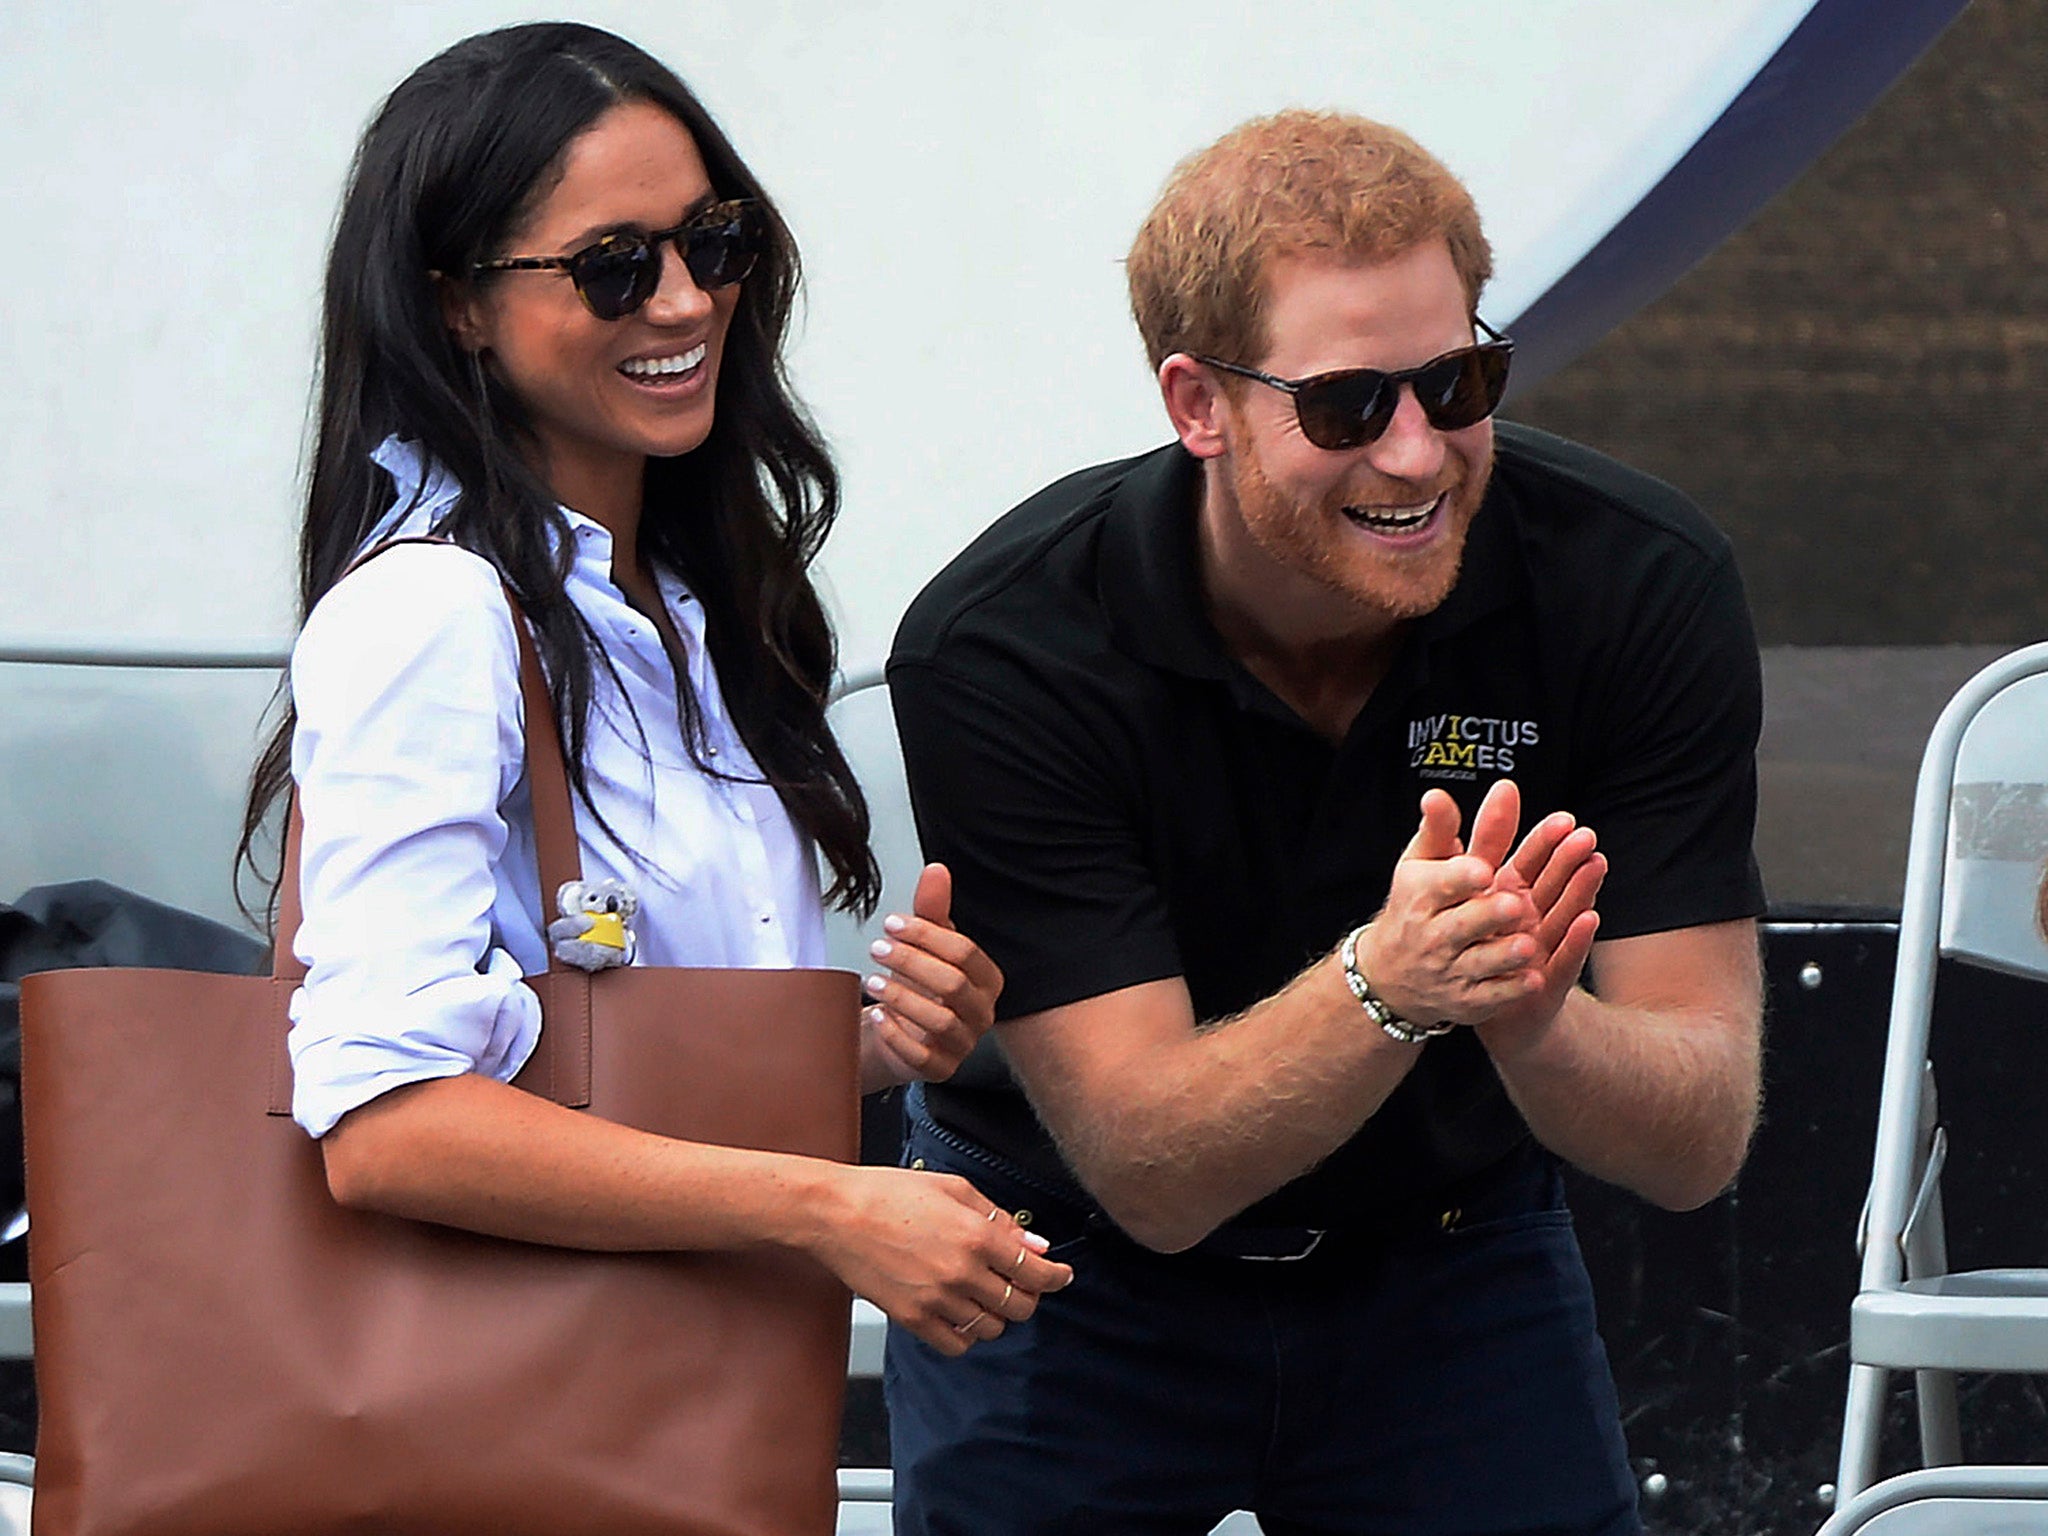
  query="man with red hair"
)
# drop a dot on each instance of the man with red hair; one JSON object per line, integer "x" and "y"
{"x": 1294, "y": 773}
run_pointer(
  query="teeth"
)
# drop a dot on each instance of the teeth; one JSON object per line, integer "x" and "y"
{"x": 1393, "y": 519}
{"x": 664, "y": 367}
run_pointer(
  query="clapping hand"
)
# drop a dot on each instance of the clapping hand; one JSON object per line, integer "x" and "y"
{"x": 1475, "y": 931}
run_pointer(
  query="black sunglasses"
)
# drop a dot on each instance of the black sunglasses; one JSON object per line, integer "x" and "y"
{"x": 616, "y": 275}
{"x": 1354, "y": 406}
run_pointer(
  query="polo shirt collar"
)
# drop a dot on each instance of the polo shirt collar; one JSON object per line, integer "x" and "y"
{"x": 1487, "y": 579}
{"x": 1151, "y": 569}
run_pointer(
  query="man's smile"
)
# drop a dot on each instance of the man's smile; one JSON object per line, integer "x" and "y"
{"x": 1396, "y": 520}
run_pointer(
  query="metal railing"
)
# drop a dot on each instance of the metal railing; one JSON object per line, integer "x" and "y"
{"x": 175, "y": 655}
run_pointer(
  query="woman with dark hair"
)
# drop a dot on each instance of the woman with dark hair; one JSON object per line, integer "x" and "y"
{"x": 555, "y": 308}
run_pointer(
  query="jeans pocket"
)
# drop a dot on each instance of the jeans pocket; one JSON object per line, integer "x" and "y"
{"x": 1511, "y": 1222}
{"x": 1063, "y": 1225}
{"x": 1066, "y": 1252}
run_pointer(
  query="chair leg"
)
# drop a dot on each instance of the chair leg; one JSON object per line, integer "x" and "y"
{"x": 1941, "y": 1432}
{"x": 1925, "y": 1245}
{"x": 1862, "y": 1424}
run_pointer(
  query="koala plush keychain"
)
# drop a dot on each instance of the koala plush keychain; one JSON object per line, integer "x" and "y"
{"x": 595, "y": 929}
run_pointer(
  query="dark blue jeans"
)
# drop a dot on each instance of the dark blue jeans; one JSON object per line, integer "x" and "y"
{"x": 1441, "y": 1378}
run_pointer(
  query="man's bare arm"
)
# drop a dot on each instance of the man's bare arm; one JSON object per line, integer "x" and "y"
{"x": 1654, "y": 1083}
{"x": 1176, "y": 1126}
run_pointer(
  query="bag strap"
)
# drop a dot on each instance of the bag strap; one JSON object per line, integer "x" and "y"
{"x": 559, "y": 854}
{"x": 560, "y": 1065}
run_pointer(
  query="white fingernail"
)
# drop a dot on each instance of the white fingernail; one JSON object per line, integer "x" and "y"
{"x": 874, "y": 984}
{"x": 894, "y": 923}
{"x": 881, "y": 949}
{"x": 1037, "y": 1242}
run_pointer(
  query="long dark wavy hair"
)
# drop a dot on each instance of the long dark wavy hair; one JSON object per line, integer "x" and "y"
{"x": 453, "y": 163}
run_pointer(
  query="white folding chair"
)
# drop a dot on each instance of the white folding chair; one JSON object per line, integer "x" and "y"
{"x": 1976, "y": 891}
{"x": 866, "y": 730}
{"x": 867, "y": 734}
{"x": 1948, "y": 1501}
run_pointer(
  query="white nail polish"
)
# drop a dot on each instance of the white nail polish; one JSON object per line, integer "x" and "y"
{"x": 881, "y": 949}
{"x": 894, "y": 923}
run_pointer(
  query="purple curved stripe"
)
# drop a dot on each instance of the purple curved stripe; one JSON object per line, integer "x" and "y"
{"x": 1835, "y": 63}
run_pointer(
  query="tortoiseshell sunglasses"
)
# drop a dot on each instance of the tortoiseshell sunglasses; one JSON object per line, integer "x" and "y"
{"x": 616, "y": 275}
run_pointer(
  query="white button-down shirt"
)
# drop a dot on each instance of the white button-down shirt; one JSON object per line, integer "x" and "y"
{"x": 419, "y": 879}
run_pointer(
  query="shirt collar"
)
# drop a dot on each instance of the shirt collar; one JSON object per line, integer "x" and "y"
{"x": 1151, "y": 569}
{"x": 425, "y": 492}
{"x": 1487, "y": 578}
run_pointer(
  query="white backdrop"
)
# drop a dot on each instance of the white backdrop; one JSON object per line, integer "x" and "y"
{"x": 963, "y": 179}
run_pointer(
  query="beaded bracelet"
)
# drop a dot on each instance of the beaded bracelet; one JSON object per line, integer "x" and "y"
{"x": 1396, "y": 1027}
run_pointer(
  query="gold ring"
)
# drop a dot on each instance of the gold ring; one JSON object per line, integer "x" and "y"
{"x": 994, "y": 1211}
{"x": 1018, "y": 1267}
{"x": 979, "y": 1314}
{"x": 1009, "y": 1290}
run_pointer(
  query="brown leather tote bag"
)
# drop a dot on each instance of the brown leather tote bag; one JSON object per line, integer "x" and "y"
{"x": 222, "y": 1350}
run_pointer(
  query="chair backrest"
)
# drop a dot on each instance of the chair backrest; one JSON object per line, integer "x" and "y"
{"x": 866, "y": 728}
{"x": 1994, "y": 903}
{"x": 1973, "y": 881}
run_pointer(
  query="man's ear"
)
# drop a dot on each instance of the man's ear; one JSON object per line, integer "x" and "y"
{"x": 462, "y": 312}
{"x": 1195, "y": 403}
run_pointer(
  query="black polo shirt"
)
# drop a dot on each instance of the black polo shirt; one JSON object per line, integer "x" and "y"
{"x": 1121, "y": 801}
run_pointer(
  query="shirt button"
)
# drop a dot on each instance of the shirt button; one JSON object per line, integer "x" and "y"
{"x": 767, "y": 917}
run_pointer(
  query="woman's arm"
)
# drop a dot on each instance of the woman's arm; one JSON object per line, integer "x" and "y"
{"x": 475, "y": 1153}
{"x": 410, "y": 1018}
{"x": 408, "y": 741}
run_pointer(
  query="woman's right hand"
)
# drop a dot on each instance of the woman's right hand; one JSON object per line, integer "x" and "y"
{"x": 935, "y": 1255}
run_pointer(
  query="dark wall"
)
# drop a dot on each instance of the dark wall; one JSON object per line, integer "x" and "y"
{"x": 1855, "y": 385}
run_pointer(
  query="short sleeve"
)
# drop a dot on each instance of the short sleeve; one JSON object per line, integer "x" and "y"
{"x": 405, "y": 682}
{"x": 1668, "y": 769}
{"x": 1022, "y": 802}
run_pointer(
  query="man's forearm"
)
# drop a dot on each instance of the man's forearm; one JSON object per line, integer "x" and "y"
{"x": 1222, "y": 1116}
{"x": 1176, "y": 1128}
{"x": 1657, "y": 1095}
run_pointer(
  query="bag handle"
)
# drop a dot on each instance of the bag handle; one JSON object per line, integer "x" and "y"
{"x": 559, "y": 1068}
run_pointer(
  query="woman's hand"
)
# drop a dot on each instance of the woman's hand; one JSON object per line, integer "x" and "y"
{"x": 935, "y": 1255}
{"x": 938, "y": 997}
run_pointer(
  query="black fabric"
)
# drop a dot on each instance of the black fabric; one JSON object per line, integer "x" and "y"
{"x": 1120, "y": 801}
{"x": 1446, "y": 1379}
{"x": 91, "y": 923}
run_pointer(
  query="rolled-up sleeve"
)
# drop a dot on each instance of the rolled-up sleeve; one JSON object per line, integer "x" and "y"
{"x": 405, "y": 681}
